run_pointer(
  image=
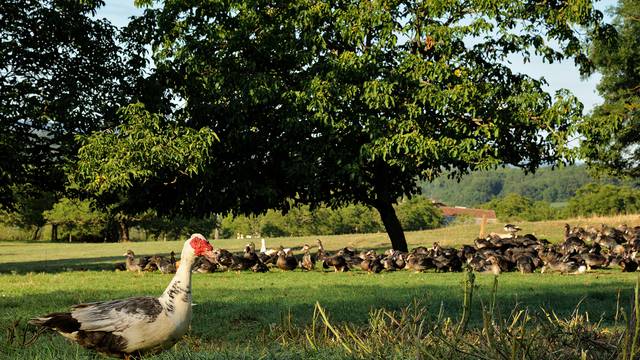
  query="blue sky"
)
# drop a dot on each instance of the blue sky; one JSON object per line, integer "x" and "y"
{"x": 558, "y": 75}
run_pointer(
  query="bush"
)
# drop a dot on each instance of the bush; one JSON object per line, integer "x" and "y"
{"x": 272, "y": 225}
{"x": 302, "y": 221}
{"x": 419, "y": 213}
{"x": 358, "y": 219}
{"x": 514, "y": 207}
{"x": 77, "y": 220}
{"x": 231, "y": 225}
{"x": 604, "y": 199}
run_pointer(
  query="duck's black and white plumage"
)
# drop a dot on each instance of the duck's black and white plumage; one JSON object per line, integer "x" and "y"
{"x": 135, "y": 325}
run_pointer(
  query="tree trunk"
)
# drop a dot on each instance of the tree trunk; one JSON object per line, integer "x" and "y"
{"x": 123, "y": 229}
{"x": 35, "y": 233}
{"x": 54, "y": 232}
{"x": 216, "y": 230}
{"x": 392, "y": 225}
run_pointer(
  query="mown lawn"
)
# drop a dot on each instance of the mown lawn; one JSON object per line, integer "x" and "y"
{"x": 235, "y": 312}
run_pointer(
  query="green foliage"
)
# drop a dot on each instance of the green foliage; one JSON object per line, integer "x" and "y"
{"x": 144, "y": 148}
{"x": 27, "y": 209}
{"x": 607, "y": 199}
{"x": 550, "y": 185}
{"x": 302, "y": 221}
{"x": 339, "y": 103}
{"x": 517, "y": 207}
{"x": 231, "y": 226}
{"x": 419, "y": 213}
{"x": 611, "y": 142}
{"x": 591, "y": 199}
{"x": 162, "y": 228}
{"x": 14, "y": 233}
{"x": 78, "y": 220}
{"x": 63, "y": 73}
{"x": 415, "y": 214}
{"x": 358, "y": 219}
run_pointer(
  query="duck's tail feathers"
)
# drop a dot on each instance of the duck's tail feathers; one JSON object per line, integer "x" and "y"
{"x": 62, "y": 322}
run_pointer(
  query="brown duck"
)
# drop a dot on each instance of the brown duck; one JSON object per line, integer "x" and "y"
{"x": 286, "y": 261}
{"x": 339, "y": 263}
{"x": 308, "y": 260}
{"x": 132, "y": 264}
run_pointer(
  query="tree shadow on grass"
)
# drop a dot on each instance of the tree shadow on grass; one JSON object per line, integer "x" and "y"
{"x": 229, "y": 316}
{"x": 232, "y": 315}
{"x": 64, "y": 265}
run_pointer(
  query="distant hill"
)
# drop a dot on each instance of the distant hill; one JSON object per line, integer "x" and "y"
{"x": 554, "y": 186}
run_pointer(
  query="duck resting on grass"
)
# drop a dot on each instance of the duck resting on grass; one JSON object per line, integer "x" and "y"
{"x": 132, "y": 264}
{"x": 133, "y": 326}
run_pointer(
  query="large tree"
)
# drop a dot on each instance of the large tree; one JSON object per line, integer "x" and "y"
{"x": 611, "y": 142}
{"x": 63, "y": 72}
{"x": 354, "y": 101}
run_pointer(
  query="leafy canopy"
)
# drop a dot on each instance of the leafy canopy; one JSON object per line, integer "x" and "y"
{"x": 145, "y": 146}
{"x": 63, "y": 72}
{"x": 354, "y": 101}
{"x": 611, "y": 142}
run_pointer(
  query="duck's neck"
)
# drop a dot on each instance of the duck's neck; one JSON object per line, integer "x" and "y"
{"x": 131, "y": 260}
{"x": 178, "y": 294}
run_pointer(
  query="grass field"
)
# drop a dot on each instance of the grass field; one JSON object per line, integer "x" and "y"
{"x": 239, "y": 315}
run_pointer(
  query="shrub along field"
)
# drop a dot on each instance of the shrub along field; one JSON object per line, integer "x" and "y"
{"x": 248, "y": 315}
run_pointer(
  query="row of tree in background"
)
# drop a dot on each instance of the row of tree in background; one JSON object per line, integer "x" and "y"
{"x": 550, "y": 185}
{"x": 591, "y": 199}
{"x": 78, "y": 220}
{"x": 293, "y": 103}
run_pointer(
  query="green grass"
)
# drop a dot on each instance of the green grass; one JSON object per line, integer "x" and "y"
{"x": 235, "y": 312}
{"x": 235, "y": 307}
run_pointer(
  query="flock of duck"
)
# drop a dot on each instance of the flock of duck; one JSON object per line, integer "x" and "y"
{"x": 582, "y": 249}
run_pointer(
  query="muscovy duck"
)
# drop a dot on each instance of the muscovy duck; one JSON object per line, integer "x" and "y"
{"x": 308, "y": 260}
{"x": 137, "y": 325}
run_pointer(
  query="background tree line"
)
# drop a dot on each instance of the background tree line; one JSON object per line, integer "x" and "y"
{"x": 550, "y": 185}
{"x": 592, "y": 199}
{"x": 78, "y": 220}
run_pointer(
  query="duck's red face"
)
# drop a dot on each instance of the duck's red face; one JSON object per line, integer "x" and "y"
{"x": 200, "y": 245}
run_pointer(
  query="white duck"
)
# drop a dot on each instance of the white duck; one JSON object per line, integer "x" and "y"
{"x": 135, "y": 325}
{"x": 270, "y": 252}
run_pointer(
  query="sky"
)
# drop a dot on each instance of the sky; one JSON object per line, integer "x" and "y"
{"x": 558, "y": 75}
